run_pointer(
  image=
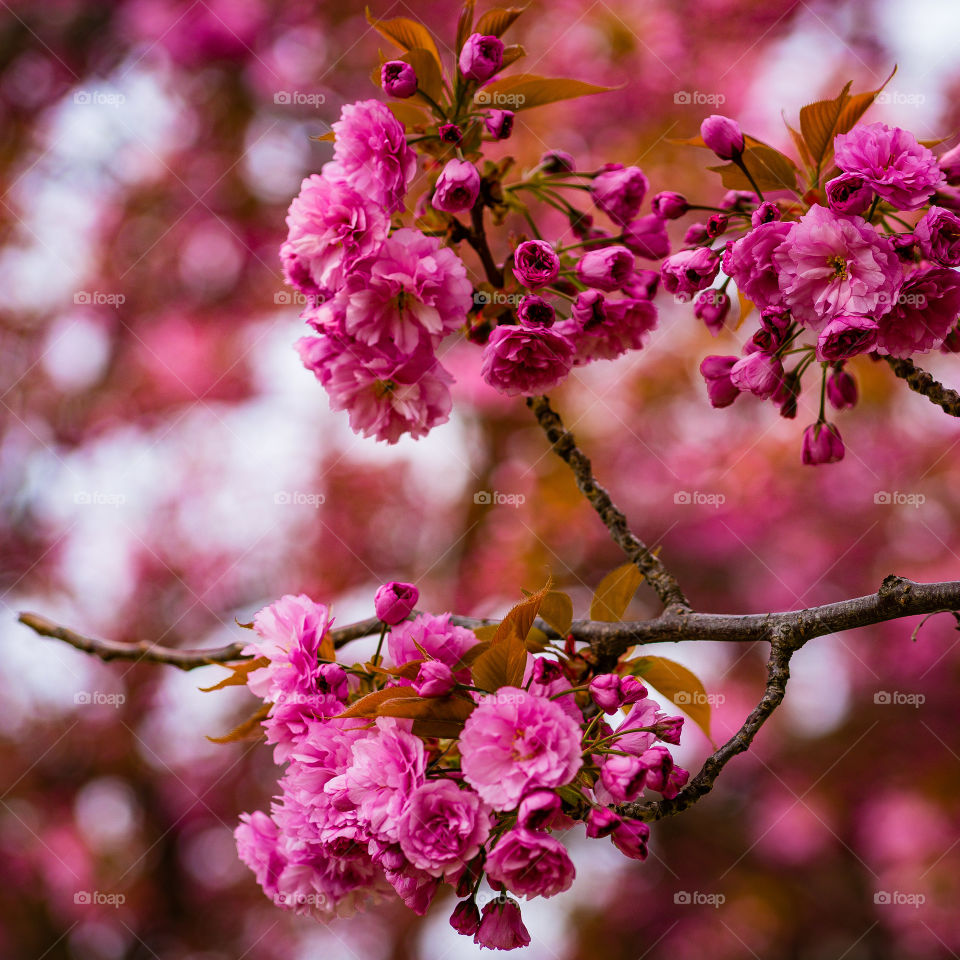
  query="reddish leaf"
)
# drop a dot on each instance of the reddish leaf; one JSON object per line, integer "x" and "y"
{"x": 406, "y": 34}
{"x": 496, "y": 22}
{"x": 367, "y": 707}
{"x": 250, "y": 729}
{"x": 238, "y": 678}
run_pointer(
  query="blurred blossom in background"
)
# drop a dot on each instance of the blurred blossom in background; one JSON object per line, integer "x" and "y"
{"x": 167, "y": 467}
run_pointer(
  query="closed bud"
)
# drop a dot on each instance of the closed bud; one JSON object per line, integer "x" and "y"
{"x": 669, "y": 205}
{"x": 723, "y": 136}
{"x": 398, "y": 79}
{"x": 821, "y": 444}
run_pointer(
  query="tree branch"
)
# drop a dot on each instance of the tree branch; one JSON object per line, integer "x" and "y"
{"x": 565, "y": 447}
{"x": 923, "y": 383}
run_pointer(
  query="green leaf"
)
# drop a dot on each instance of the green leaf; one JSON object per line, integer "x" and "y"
{"x": 527, "y": 90}
{"x": 556, "y": 609}
{"x": 770, "y": 169}
{"x": 406, "y": 34}
{"x": 675, "y": 681}
{"x": 614, "y": 593}
{"x": 496, "y": 22}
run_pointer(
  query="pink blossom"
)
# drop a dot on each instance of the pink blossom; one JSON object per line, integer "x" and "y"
{"x": 688, "y": 271}
{"x": 842, "y": 390}
{"x": 481, "y": 57}
{"x": 938, "y": 234}
{"x": 257, "y": 847}
{"x": 647, "y": 237}
{"x": 712, "y": 306}
{"x": 530, "y": 864}
{"x": 518, "y": 360}
{"x": 723, "y": 136}
{"x": 385, "y": 393}
{"x": 434, "y": 679}
{"x": 831, "y": 264}
{"x": 414, "y": 290}
{"x": 606, "y": 269}
{"x": 720, "y": 388}
{"x": 457, "y": 187}
{"x": 749, "y": 261}
{"x": 443, "y": 827}
{"x": 619, "y": 191}
{"x": 621, "y": 779}
{"x": 398, "y": 79}
{"x": 465, "y": 918}
{"x": 606, "y": 329}
{"x": 499, "y": 124}
{"x": 535, "y": 263}
{"x": 757, "y": 373}
{"x": 601, "y": 822}
{"x": 630, "y": 838}
{"x": 890, "y": 159}
{"x": 501, "y": 927}
{"x": 436, "y": 636}
{"x": 331, "y": 227}
{"x": 539, "y": 810}
{"x": 394, "y": 601}
{"x": 821, "y": 444}
{"x": 514, "y": 741}
{"x": 926, "y": 310}
{"x": 846, "y": 336}
{"x": 849, "y": 193}
{"x": 371, "y": 153}
{"x": 669, "y": 205}
{"x": 384, "y": 772}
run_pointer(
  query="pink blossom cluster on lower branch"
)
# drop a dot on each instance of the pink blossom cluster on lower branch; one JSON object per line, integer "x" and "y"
{"x": 404, "y": 773}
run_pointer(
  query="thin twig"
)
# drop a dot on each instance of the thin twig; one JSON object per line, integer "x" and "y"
{"x": 563, "y": 444}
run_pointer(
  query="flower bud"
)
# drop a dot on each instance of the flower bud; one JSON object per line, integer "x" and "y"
{"x": 398, "y": 79}
{"x": 434, "y": 679}
{"x": 601, "y": 822}
{"x": 623, "y": 777}
{"x": 642, "y": 285}
{"x": 394, "y": 601}
{"x": 533, "y": 311}
{"x": 688, "y": 271}
{"x": 465, "y": 918}
{"x": 535, "y": 263}
{"x": 499, "y": 124}
{"x": 501, "y": 927}
{"x": 668, "y": 729}
{"x": 538, "y": 809}
{"x": 938, "y": 235}
{"x": 720, "y": 388}
{"x": 821, "y": 444}
{"x": 630, "y": 837}
{"x": 841, "y": 390}
{"x": 723, "y": 136}
{"x": 950, "y": 165}
{"x": 457, "y": 187}
{"x": 712, "y": 306}
{"x": 631, "y": 690}
{"x": 849, "y": 193}
{"x": 846, "y": 336}
{"x": 758, "y": 373}
{"x": 557, "y": 161}
{"x": 647, "y": 237}
{"x": 607, "y": 269}
{"x": 717, "y": 224}
{"x": 669, "y": 205}
{"x": 767, "y": 212}
{"x": 696, "y": 234}
{"x": 450, "y": 133}
{"x": 481, "y": 57}
{"x": 619, "y": 192}
{"x": 605, "y": 691}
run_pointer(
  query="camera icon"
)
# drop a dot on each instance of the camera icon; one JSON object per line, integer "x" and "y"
{"x": 882, "y": 897}
{"x": 81, "y": 96}
{"x": 481, "y": 298}
{"x": 482, "y": 497}
{"x": 882, "y": 496}
{"x": 82, "y": 497}
{"x": 281, "y": 496}
{"x": 82, "y": 897}
{"x": 482, "y": 97}
{"x": 281, "y": 97}
{"x": 883, "y": 697}
{"x": 82, "y": 297}
{"x": 682, "y": 497}
{"x": 682, "y": 696}
{"x": 83, "y": 697}
{"x": 682, "y": 897}
{"x": 283, "y": 298}
{"x": 681, "y": 97}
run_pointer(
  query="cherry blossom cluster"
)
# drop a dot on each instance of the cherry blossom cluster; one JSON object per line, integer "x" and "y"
{"x": 379, "y": 260}
{"x": 865, "y": 264}
{"x": 378, "y": 801}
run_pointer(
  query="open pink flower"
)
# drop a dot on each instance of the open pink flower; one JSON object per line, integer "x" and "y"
{"x": 386, "y": 394}
{"x": 606, "y": 329}
{"x": 371, "y": 153}
{"x": 384, "y": 772}
{"x": 900, "y": 170}
{"x": 443, "y": 827}
{"x": 926, "y": 310}
{"x": 518, "y": 360}
{"x": 436, "y": 636}
{"x": 619, "y": 191}
{"x": 530, "y": 864}
{"x": 413, "y": 290}
{"x": 749, "y": 261}
{"x": 331, "y": 227}
{"x": 515, "y": 741}
{"x": 832, "y": 264}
